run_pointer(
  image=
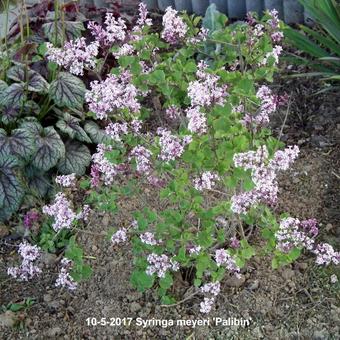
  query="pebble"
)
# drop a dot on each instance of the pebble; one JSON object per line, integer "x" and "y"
{"x": 4, "y": 230}
{"x": 8, "y": 319}
{"x": 135, "y": 307}
{"x": 320, "y": 335}
{"x": 254, "y": 285}
{"x": 287, "y": 274}
{"x": 235, "y": 281}
{"x": 53, "y": 332}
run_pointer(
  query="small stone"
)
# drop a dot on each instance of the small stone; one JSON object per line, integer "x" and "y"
{"x": 302, "y": 266}
{"x": 4, "y": 230}
{"x": 47, "y": 298}
{"x": 287, "y": 274}
{"x": 53, "y": 332}
{"x": 135, "y": 307}
{"x": 235, "y": 281}
{"x": 320, "y": 335}
{"x": 254, "y": 285}
{"x": 329, "y": 227}
{"x": 8, "y": 319}
{"x": 48, "y": 259}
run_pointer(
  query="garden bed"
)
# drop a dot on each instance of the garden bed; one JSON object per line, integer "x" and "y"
{"x": 293, "y": 302}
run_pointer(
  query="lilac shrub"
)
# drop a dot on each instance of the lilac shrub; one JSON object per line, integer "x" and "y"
{"x": 193, "y": 126}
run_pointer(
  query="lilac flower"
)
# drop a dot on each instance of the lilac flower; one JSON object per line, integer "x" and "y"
{"x": 290, "y": 235}
{"x": 206, "y": 91}
{"x": 171, "y": 146}
{"x": 174, "y": 28}
{"x": 136, "y": 126}
{"x": 115, "y": 28}
{"x": 30, "y": 217}
{"x": 64, "y": 279}
{"x": 194, "y": 250}
{"x": 95, "y": 175}
{"x": 310, "y": 227}
{"x": 114, "y": 93}
{"x": 197, "y": 120}
{"x": 66, "y": 181}
{"x": 263, "y": 175}
{"x": 234, "y": 243}
{"x": 61, "y": 212}
{"x": 149, "y": 238}
{"x": 206, "y": 181}
{"x": 27, "y": 270}
{"x": 213, "y": 288}
{"x": 160, "y": 264}
{"x": 173, "y": 112}
{"x": 142, "y": 18}
{"x": 103, "y": 167}
{"x": 125, "y": 49}
{"x": 275, "y": 53}
{"x": 206, "y": 305}
{"x": 75, "y": 55}
{"x": 143, "y": 159}
{"x": 325, "y": 254}
{"x": 222, "y": 258}
{"x": 85, "y": 213}
{"x": 119, "y": 236}
{"x": 115, "y": 130}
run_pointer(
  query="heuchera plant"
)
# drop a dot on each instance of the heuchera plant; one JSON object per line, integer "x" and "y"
{"x": 187, "y": 113}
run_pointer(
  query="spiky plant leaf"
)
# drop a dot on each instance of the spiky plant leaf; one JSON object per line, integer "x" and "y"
{"x": 77, "y": 157}
{"x": 67, "y": 90}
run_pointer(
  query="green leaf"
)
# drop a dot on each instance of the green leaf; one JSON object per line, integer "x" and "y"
{"x": 67, "y": 90}
{"x": 76, "y": 158}
{"x": 50, "y": 147}
{"x": 166, "y": 282}
{"x": 11, "y": 190}
{"x": 70, "y": 126}
{"x": 157, "y": 77}
{"x": 35, "y": 82}
{"x": 213, "y": 19}
{"x": 97, "y": 135}
{"x": 19, "y": 143}
{"x": 141, "y": 281}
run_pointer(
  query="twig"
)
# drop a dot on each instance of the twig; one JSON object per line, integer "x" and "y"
{"x": 285, "y": 119}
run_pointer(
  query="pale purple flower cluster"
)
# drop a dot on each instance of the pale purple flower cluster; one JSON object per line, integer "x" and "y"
{"x": 173, "y": 112}
{"x": 85, "y": 213}
{"x": 125, "y": 49}
{"x": 115, "y": 130}
{"x": 142, "y": 18}
{"x": 212, "y": 288}
{"x": 114, "y": 93}
{"x": 206, "y": 305}
{"x": 222, "y": 258}
{"x": 206, "y": 181}
{"x": 234, "y": 243}
{"x": 30, "y": 217}
{"x": 194, "y": 250}
{"x": 197, "y": 120}
{"x": 275, "y": 54}
{"x": 206, "y": 91}
{"x": 290, "y": 235}
{"x": 200, "y": 37}
{"x": 115, "y": 30}
{"x": 149, "y": 238}
{"x": 27, "y": 270}
{"x": 119, "y": 236}
{"x": 75, "y": 55}
{"x": 263, "y": 175}
{"x": 102, "y": 168}
{"x": 61, "y": 212}
{"x": 66, "y": 181}
{"x": 64, "y": 279}
{"x": 267, "y": 107}
{"x": 160, "y": 264}
{"x": 174, "y": 28}
{"x": 136, "y": 126}
{"x": 325, "y": 254}
{"x": 172, "y": 147}
{"x": 274, "y": 23}
{"x": 143, "y": 159}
